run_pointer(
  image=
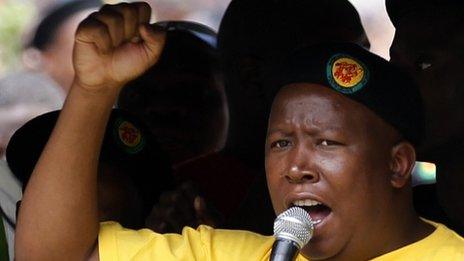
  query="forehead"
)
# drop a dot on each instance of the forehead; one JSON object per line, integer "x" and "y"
{"x": 315, "y": 104}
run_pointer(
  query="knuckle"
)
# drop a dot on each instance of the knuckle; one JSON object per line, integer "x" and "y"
{"x": 114, "y": 13}
{"x": 100, "y": 31}
{"x": 115, "y": 19}
{"x": 132, "y": 12}
{"x": 129, "y": 10}
{"x": 91, "y": 25}
{"x": 144, "y": 10}
{"x": 109, "y": 16}
{"x": 106, "y": 7}
{"x": 119, "y": 6}
{"x": 104, "y": 18}
{"x": 82, "y": 26}
{"x": 91, "y": 17}
{"x": 142, "y": 6}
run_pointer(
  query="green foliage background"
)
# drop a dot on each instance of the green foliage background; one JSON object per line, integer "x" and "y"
{"x": 14, "y": 17}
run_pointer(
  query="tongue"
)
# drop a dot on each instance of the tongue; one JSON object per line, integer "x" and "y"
{"x": 318, "y": 212}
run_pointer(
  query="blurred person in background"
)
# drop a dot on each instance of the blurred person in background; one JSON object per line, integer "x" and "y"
{"x": 182, "y": 101}
{"x": 428, "y": 44}
{"x": 135, "y": 183}
{"x": 47, "y": 56}
{"x": 48, "y": 47}
{"x": 133, "y": 170}
{"x": 181, "y": 98}
{"x": 10, "y": 194}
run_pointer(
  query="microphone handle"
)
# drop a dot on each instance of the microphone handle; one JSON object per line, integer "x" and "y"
{"x": 284, "y": 250}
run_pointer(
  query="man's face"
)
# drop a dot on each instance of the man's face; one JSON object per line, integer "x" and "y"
{"x": 267, "y": 37}
{"x": 429, "y": 44}
{"x": 323, "y": 147}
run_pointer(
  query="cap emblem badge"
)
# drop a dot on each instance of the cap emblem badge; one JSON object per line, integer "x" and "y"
{"x": 130, "y": 137}
{"x": 345, "y": 74}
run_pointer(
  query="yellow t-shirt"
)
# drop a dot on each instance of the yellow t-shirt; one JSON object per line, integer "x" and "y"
{"x": 205, "y": 243}
{"x": 442, "y": 244}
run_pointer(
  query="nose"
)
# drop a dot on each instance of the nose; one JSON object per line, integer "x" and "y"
{"x": 301, "y": 169}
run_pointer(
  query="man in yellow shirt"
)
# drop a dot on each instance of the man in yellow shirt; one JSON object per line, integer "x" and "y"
{"x": 340, "y": 144}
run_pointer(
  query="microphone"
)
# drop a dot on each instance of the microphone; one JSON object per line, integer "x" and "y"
{"x": 293, "y": 229}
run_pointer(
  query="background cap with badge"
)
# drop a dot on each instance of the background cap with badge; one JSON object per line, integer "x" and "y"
{"x": 126, "y": 146}
{"x": 359, "y": 75}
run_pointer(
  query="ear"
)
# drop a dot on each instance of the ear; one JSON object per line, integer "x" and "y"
{"x": 402, "y": 162}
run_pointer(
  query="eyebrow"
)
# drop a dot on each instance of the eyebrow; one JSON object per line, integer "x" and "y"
{"x": 277, "y": 130}
{"x": 313, "y": 129}
{"x": 282, "y": 128}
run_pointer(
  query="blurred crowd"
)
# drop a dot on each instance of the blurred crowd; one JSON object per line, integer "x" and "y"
{"x": 200, "y": 112}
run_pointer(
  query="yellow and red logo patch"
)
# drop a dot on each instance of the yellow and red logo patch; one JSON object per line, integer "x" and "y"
{"x": 346, "y": 74}
{"x": 129, "y": 136}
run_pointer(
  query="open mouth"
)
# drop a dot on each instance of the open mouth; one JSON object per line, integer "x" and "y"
{"x": 316, "y": 210}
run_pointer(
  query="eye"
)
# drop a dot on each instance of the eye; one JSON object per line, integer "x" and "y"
{"x": 325, "y": 143}
{"x": 280, "y": 144}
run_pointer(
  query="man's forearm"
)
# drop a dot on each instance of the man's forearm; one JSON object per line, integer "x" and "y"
{"x": 59, "y": 217}
{"x": 60, "y": 202}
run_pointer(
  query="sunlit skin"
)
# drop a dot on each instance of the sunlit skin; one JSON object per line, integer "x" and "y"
{"x": 323, "y": 146}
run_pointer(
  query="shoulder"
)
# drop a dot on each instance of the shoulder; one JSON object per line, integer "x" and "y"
{"x": 445, "y": 237}
{"x": 203, "y": 243}
{"x": 442, "y": 244}
{"x": 220, "y": 240}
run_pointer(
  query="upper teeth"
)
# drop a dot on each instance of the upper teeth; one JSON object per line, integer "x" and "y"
{"x": 306, "y": 202}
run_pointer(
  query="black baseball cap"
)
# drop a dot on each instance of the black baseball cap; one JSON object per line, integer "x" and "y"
{"x": 127, "y": 144}
{"x": 359, "y": 75}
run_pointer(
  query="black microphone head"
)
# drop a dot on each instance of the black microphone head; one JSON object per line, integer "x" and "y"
{"x": 294, "y": 224}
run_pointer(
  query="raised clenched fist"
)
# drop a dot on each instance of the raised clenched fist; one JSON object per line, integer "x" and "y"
{"x": 115, "y": 45}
